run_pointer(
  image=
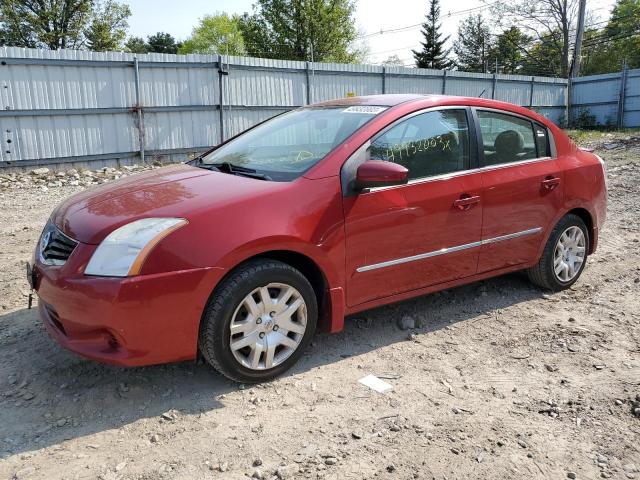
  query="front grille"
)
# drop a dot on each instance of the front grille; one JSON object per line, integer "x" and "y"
{"x": 55, "y": 247}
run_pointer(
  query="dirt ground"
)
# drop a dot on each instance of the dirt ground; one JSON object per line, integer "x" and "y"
{"x": 498, "y": 381}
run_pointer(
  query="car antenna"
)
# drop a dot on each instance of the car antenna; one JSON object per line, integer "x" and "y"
{"x": 482, "y": 93}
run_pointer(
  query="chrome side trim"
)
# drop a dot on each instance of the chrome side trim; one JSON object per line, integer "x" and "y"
{"x": 447, "y": 176}
{"x": 444, "y": 251}
{"x": 531, "y": 231}
{"x": 421, "y": 256}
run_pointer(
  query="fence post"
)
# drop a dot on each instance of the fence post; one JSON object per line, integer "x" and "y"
{"x": 568, "y": 120}
{"x": 533, "y": 84}
{"x": 384, "y": 79}
{"x": 621, "y": 97}
{"x": 309, "y": 83}
{"x": 444, "y": 82}
{"x": 221, "y": 96}
{"x": 138, "y": 109}
{"x": 493, "y": 86}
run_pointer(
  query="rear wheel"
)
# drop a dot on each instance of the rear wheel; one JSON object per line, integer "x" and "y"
{"x": 259, "y": 321}
{"x": 564, "y": 256}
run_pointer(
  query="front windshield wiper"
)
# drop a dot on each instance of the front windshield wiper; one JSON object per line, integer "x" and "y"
{"x": 227, "y": 167}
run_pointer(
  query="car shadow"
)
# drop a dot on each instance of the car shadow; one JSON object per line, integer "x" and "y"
{"x": 48, "y": 395}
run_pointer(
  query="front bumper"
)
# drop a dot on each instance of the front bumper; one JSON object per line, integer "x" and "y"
{"x": 135, "y": 321}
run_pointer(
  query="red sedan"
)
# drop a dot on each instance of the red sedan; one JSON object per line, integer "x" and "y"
{"x": 315, "y": 214}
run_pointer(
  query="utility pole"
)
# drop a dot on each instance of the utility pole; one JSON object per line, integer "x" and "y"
{"x": 575, "y": 65}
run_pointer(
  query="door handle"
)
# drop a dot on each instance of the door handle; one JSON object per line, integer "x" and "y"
{"x": 550, "y": 182}
{"x": 466, "y": 201}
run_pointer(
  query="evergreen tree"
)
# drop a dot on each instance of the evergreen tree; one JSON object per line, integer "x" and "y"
{"x": 433, "y": 53}
{"x": 136, "y": 45}
{"x": 473, "y": 44}
{"x": 509, "y": 50}
{"x": 162, "y": 42}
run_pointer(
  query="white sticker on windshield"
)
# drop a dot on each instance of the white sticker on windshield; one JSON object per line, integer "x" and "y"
{"x": 371, "y": 110}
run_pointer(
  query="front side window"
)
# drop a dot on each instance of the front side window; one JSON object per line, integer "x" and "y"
{"x": 286, "y": 146}
{"x": 428, "y": 144}
{"x": 506, "y": 138}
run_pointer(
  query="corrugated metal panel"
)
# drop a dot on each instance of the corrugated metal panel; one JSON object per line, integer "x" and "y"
{"x": 170, "y": 130}
{"x": 273, "y": 88}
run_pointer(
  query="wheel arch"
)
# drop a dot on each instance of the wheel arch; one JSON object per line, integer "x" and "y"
{"x": 587, "y": 218}
{"x": 308, "y": 267}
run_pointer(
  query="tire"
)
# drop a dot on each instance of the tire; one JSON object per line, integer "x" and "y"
{"x": 240, "y": 301}
{"x": 543, "y": 274}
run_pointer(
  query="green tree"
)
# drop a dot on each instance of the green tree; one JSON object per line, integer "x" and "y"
{"x": 433, "y": 53}
{"x": 606, "y": 50}
{"x": 52, "y": 24}
{"x": 545, "y": 57}
{"x": 136, "y": 45}
{"x": 473, "y": 44}
{"x": 108, "y": 27}
{"x": 509, "y": 49}
{"x": 219, "y": 33}
{"x": 162, "y": 42}
{"x": 302, "y": 29}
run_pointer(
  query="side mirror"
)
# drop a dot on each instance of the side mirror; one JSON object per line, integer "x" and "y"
{"x": 378, "y": 173}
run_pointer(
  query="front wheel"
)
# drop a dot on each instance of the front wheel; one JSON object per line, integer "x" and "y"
{"x": 259, "y": 321}
{"x": 564, "y": 256}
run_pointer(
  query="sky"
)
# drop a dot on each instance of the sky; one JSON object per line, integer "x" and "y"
{"x": 372, "y": 16}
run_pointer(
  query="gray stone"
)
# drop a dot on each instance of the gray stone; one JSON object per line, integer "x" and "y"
{"x": 406, "y": 322}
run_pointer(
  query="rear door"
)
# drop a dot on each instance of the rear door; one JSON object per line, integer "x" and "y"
{"x": 522, "y": 187}
{"x": 426, "y": 232}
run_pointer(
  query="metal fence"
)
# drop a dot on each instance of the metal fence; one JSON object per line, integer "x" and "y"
{"x": 61, "y": 107}
{"x": 610, "y": 100}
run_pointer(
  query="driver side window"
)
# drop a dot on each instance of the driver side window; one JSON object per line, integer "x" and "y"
{"x": 428, "y": 144}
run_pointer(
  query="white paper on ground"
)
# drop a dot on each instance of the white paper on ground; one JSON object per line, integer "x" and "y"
{"x": 375, "y": 383}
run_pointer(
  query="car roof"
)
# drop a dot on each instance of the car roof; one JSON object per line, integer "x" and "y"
{"x": 388, "y": 100}
{"x": 428, "y": 101}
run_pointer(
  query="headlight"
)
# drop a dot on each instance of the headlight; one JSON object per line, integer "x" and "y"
{"x": 124, "y": 251}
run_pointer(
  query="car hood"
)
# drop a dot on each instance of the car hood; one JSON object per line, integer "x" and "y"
{"x": 179, "y": 191}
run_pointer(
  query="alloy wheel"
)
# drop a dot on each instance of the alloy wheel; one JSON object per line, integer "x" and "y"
{"x": 569, "y": 254}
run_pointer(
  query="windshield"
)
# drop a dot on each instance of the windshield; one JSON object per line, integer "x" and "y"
{"x": 285, "y": 147}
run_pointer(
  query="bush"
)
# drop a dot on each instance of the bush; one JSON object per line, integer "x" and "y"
{"x": 584, "y": 119}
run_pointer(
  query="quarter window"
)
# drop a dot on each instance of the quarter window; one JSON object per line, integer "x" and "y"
{"x": 506, "y": 138}
{"x": 542, "y": 141}
{"x": 428, "y": 144}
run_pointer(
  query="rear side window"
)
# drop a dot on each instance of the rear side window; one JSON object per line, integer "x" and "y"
{"x": 506, "y": 138}
{"x": 428, "y": 144}
{"x": 542, "y": 140}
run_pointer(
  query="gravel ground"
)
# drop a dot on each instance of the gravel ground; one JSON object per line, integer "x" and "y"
{"x": 496, "y": 380}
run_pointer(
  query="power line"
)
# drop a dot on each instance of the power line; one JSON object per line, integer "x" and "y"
{"x": 609, "y": 38}
{"x": 446, "y": 15}
{"x": 612, "y": 19}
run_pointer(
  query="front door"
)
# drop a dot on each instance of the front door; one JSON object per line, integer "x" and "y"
{"x": 523, "y": 189}
{"x": 427, "y": 232}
